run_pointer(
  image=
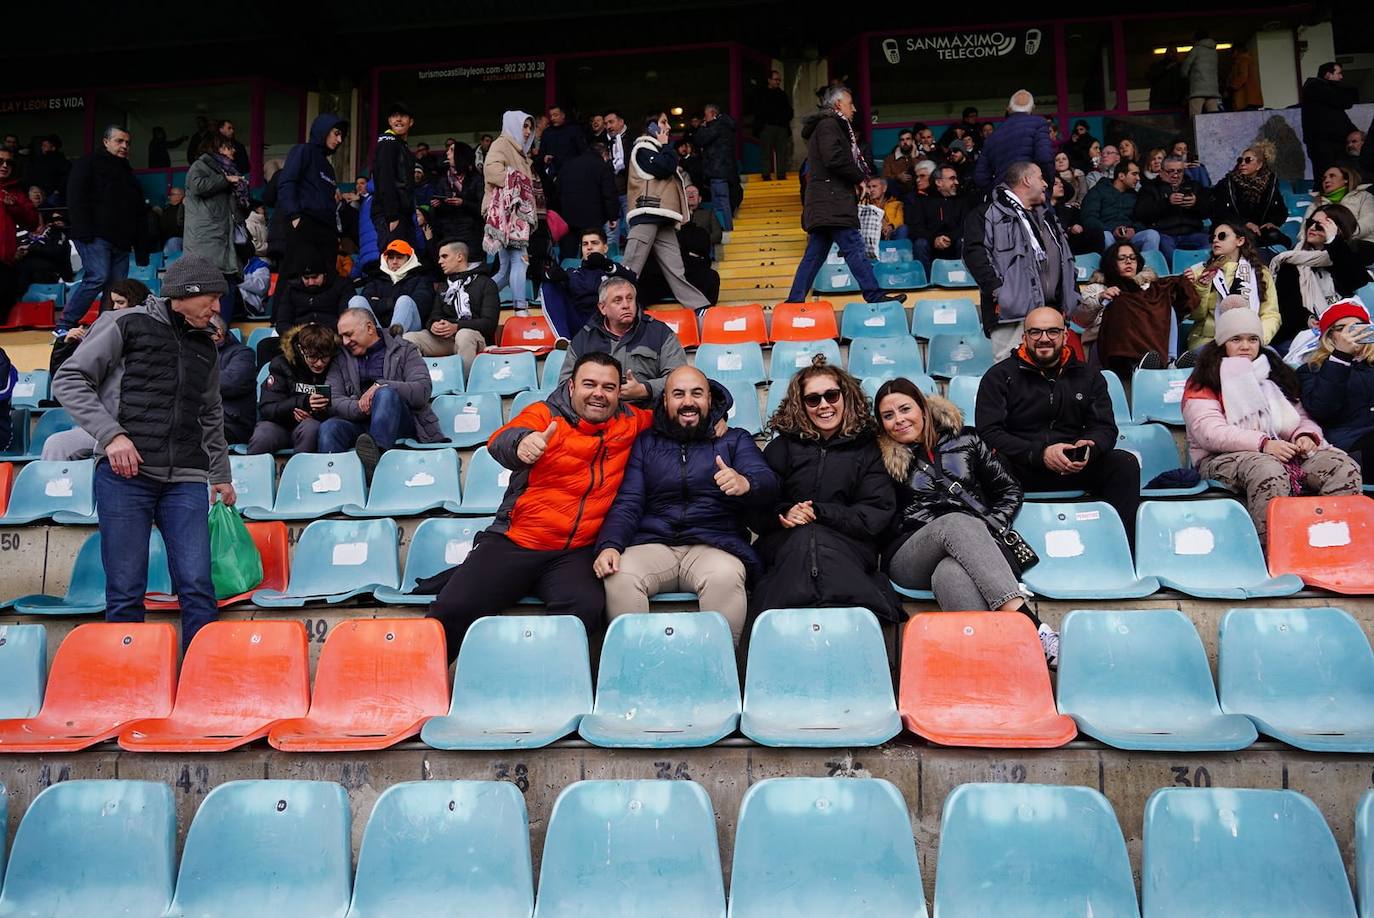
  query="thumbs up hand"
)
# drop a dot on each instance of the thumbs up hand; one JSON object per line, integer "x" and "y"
{"x": 632, "y": 389}
{"x": 532, "y": 447}
{"x": 730, "y": 482}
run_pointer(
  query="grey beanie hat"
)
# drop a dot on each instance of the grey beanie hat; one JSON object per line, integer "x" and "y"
{"x": 1235, "y": 317}
{"x": 192, "y": 275}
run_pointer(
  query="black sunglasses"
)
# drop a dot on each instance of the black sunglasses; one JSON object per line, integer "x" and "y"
{"x": 813, "y": 399}
{"x": 1245, "y": 159}
{"x": 1221, "y": 236}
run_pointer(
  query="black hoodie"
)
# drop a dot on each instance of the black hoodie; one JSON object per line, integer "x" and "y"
{"x": 306, "y": 184}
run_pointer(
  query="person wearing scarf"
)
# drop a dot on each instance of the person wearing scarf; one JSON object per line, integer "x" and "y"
{"x": 1249, "y": 198}
{"x": 1235, "y": 267}
{"x": 466, "y": 312}
{"x": 1246, "y": 426}
{"x": 401, "y": 292}
{"x": 1341, "y": 185}
{"x": 509, "y": 204}
{"x": 216, "y": 207}
{"x": 1323, "y": 268}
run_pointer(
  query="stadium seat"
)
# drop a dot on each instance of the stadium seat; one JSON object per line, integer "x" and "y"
{"x": 504, "y": 374}
{"x": 951, "y": 272}
{"x": 818, "y": 678}
{"x": 23, "y": 673}
{"x": 485, "y": 485}
{"x": 873, "y": 320}
{"x": 667, "y": 679}
{"x": 1154, "y": 448}
{"x": 1364, "y": 853}
{"x": 1052, "y": 850}
{"x": 787, "y": 357}
{"x": 508, "y": 293}
{"x": 979, "y": 679}
{"x": 103, "y": 676}
{"x": 30, "y": 315}
{"x": 143, "y": 273}
{"x": 314, "y": 485}
{"x": 959, "y": 355}
{"x": 445, "y": 848}
{"x": 521, "y": 683}
{"x": 85, "y": 594}
{"x": 1304, "y": 676}
{"x": 51, "y": 421}
{"x": 18, "y": 448}
{"x": 62, "y": 490}
{"x": 530, "y": 333}
{"x": 734, "y": 324}
{"x": 237, "y": 679}
{"x": 744, "y": 413}
{"x": 467, "y": 420}
{"x": 267, "y": 847}
{"x": 32, "y": 387}
{"x": 1323, "y": 540}
{"x": 885, "y": 358}
{"x": 94, "y": 848}
{"x": 411, "y": 482}
{"x": 445, "y": 375}
{"x": 255, "y": 481}
{"x": 1157, "y": 395}
{"x": 835, "y": 279}
{"x": 1229, "y": 853}
{"x": 527, "y": 398}
{"x": 376, "y": 682}
{"x": 259, "y": 335}
{"x": 1177, "y": 542}
{"x": 631, "y": 848}
{"x": 1154, "y": 260}
{"x": 946, "y": 317}
{"x": 1073, "y": 537}
{"x": 963, "y": 392}
{"x": 1121, "y": 408}
{"x": 804, "y": 321}
{"x": 37, "y": 293}
{"x": 894, "y": 251}
{"x": 1186, "y": 258}
{"x": 1141, "y": 680}
{"x": 825, "y": 846}
{"x": 437, "y": 544}
{"x": 272, "y": 542}
{"x": 732, "y": 363}
{"x": 336, "y": 560}
{"x": 1085, "y": 265}
{"x": 906, "y": 275}
{"x": 682, "y": 321}
{"x": 553, "y": 366}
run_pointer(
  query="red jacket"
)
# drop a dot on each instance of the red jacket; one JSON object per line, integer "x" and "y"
{"x": 16, "y": 212}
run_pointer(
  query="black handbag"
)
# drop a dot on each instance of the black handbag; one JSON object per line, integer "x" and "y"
{"x": 1015, "y": 548}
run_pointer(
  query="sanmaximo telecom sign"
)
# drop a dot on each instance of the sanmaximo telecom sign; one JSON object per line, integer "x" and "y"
{"x": 959, "y": 46}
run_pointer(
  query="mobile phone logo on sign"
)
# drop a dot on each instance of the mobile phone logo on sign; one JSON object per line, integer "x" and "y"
{"x": 957, "y": 46}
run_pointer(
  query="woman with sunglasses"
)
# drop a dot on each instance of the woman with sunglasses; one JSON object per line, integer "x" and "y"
{"x": 1249, "y": 198}
{"x": 1130, "y": 312}
{"x": 1321, "y": 270}
{"x": 1235, "y": 267}
{"x": 1341, "y": 185}
{"x": 1338, "y": 382}
{"x": 819, "y": 543}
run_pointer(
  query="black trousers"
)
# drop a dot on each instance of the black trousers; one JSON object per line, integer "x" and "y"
{"x": 497, "y": 573}
{"x": 1112, "y": 477}
{"x": 1364, "y": 453}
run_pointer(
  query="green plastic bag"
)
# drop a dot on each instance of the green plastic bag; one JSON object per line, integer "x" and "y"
{"x": 235, "y": 565}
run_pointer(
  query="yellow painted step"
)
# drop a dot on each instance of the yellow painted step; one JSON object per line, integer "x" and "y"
{"x": 780, "y": 268}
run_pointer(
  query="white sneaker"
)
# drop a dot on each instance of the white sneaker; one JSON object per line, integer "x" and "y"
{"x": 1049, "y": 642}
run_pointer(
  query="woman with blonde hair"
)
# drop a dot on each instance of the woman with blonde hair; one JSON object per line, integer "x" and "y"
{"x": 1342, "y": 185}
{"x": 1338, "y": 382}
{"x": 1248, "y": 197}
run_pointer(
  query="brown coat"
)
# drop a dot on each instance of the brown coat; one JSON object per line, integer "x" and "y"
{"x": 1138, "y": 320}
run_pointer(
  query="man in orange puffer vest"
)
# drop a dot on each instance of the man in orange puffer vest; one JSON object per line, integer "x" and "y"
{"x": 566, "y": 457}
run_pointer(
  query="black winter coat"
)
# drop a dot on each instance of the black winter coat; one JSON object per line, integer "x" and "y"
{"x": 294, "y": 304}
{"x": 716, "y": 141}
{"x": 460, "y": 221}
{"x": 1153, "y": 209}
{"x": 1339, "y": 395}
{"x": 238, "y": 371}
{"x": 104, "y": 201}
{"x": 832, "y": 174}
{"x": 382, "y": 293}
{"x": 928, "y": 216}
{"x": 1324, "y": 117}
{"x": 484, "y": 302}
{"x": 393, "y": 179}
{"x": 306, "y": 185}
{"x": 832, "y": 562}
{"x": 1227, "y": 206}
{"x": 286, "y": 387}
{"x": 587, "y": 188}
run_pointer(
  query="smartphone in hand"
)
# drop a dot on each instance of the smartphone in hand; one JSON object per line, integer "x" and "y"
{"x": 1077, "y": 453}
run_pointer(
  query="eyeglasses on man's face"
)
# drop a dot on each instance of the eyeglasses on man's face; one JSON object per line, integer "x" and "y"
{"x": 1044, "y": 332}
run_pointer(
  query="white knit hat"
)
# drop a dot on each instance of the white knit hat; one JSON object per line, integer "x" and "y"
{"x": 1235, "y": 317}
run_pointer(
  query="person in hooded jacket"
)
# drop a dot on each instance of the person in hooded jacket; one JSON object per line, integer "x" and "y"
{"x": 294, "y": 398}
{"x": 819, "y": 541}
{"x": 402, "y": 292}
{"x": 306, "y": 191}
{"x": 508, "y": 204}
{"x": 319, "y": 295}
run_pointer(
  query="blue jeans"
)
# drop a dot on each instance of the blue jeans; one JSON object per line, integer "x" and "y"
{"x": 514, "y": 263}
{"x": 1167, "y": 244}
{"x": 390, "y": 421}
{"x": 1144, "y": 240}
{"x": 720, "y": 200}
{"x": 851, "y": 247}
{"x": 103, "y": 265}
{"x": 405, "y": 313}
{"x": 901, "y": 232}
{"x": 128, "y": 509}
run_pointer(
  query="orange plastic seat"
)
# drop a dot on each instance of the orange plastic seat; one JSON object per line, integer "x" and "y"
{"x": 1324, "y": 540}
{"x": 104, "y": 676}
{"x": 682, "y": 321}
{"x": 528, "y": 333}
{"x": 272, "y": 285}
{"x": 6, "y": 483}
{"x": 270, "y": 537}
{"x": 979, "y": 679}
{"x": 237, "y": 680}
{"x": 376, "y": 683}
{"x": 804, "y": 321}
{"x": 30, "y": 315}
{"x": 734, "y": 325}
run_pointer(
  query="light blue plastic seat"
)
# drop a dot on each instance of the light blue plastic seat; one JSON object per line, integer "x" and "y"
{"x": 336, "y": 560}
{"x": 63, "y": 490}
{"x": 485, "y": 485}
{"x": 51, "y": 421}
{"x": 445, "y": 848}
{"x": 18, "y": 448}
{"x": 744, "y": 413}
{"x": 438, "y": 544}
{"x": 631, "y": 848}
{"x": 1032, "y": 850}
{"x": 445, "y": 375}
{"x": 411, "y": 482}
{"x": 873, "y": 320}
{"x": 553, "y": 366}
{"x": 788, "y": 357}
{"x": 1073, "y": 539}
{"x": 1364, "y": 853}
{"x": 1205, "y": 548}
{"x": 1186, "y": 258}
{"x": 951, "y": 272}
{"x": 143, "y": 273}
{"x": 23, "y": 676}
{"x": 86, "y": 585}
{"x": 666, "y": 680}
{"x": 1238, "y": 853}
{"x": 902, "y": 275}
{"x": 466, "y": 420}
{"x": 314, "y": 485}
{"x": 1141, "y": 680}
{"x": 38, "y": 293}
{"x": 521, "y": 683}
{"x": 958, "y": 316}
{"x": 835, "y": 279}
{"x": 959, "y": 355}
{"x": 818, "y": 678}
{"x": 264, "y": 371}
{"x": 734, "y": 363}
{"x": 259, "y": 335}
{"x": 825, "y": 846}
{"x": 255, "y": 481}
{"x": 1304, "y": 676}
{"x": 525, "y": 399}
{"x": 885, "y": 358}
{"x": 1157, "y": 395}
{"x": 963, "y": 392}
{"x": 267, "y": 847}
{"x": 1154, "y": 448}
{"x": 1154, "y": 260}
{"x": 237, "y": 333}
{"x": 504, "y": 374}
{"x": 1121, "y": 409}
{"x": 569, "y": 263}
{"x": 894, "y": 251}
{"x": 32, "y": 387}
{"x": 1085, "y": 265}
{"x": 94, "y": 848}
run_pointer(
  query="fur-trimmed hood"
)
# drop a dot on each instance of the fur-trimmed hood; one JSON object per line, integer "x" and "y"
{"x": 897, "y": 456}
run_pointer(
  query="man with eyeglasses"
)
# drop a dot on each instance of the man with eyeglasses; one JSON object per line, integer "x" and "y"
{"x": 1049, "y": 417}
{"x": 1174, "y": 206}
{"x": 1105, "y": 168}
{"x": 17, "y": 213}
